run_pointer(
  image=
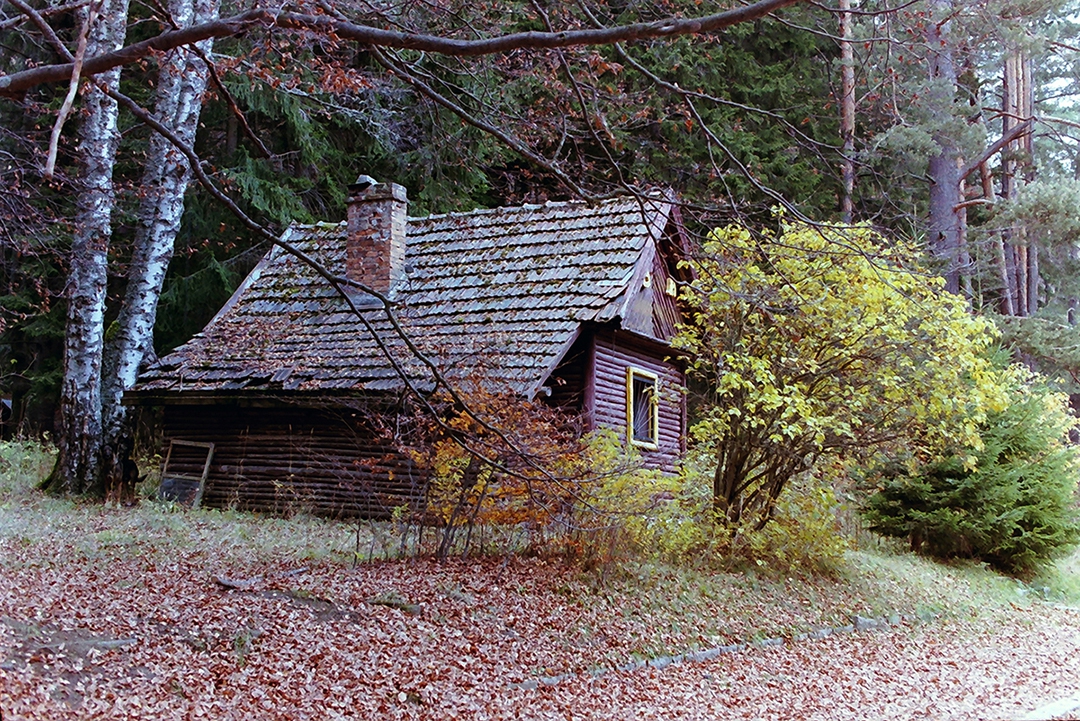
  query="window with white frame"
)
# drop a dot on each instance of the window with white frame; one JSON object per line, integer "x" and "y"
{"x": 642, "y": 409}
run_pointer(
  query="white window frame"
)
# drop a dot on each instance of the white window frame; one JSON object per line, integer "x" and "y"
{"x": 653, "y": 442}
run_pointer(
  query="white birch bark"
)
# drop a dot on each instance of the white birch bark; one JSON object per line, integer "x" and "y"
{"x": 847, "y": 113}
{"x": 181, "y": 85}
{"x": 79, "y": 428}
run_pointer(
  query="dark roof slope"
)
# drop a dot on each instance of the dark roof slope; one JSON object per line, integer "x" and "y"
{"x": 504, "y": 289}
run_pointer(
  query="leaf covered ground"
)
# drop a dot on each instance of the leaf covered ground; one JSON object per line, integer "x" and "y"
{"x": 120, "y": 613}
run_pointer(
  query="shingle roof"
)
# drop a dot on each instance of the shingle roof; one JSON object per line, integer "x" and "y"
{"x": 506, "y": 289}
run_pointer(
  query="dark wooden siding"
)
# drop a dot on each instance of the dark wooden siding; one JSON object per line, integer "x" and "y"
{"x": 332, "y": 462}
{"x": 568, "y": 382}
{"x": 615, "y": 353}
{"x": 665, "y": 308}
{"x": 652, "y": 310}
{"x": 292, "y": 459}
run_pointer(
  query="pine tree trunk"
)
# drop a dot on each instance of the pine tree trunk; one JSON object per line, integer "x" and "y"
{"x": 181, "y": 84}
{"x": 1027, "y": 110}
{"x": 945, "y": 226}
{"x": 1008, "y": 304}
{"x": 1022, "y": 279}
{"x": 79, "y": 429}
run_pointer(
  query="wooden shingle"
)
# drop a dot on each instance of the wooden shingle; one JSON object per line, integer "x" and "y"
{"x": 506, "y": 288}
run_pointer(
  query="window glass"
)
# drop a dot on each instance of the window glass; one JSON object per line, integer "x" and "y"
{"x": 642, "y": 407}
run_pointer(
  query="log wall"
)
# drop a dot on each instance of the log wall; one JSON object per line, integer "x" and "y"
{"x": 287, "y": 458}
{"x": 614, "y": 353}
{"x": 291, "y": 459}
{"x": 569, "y": 380}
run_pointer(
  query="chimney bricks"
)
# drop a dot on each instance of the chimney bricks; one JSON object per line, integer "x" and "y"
{"x": 376, "y": 226}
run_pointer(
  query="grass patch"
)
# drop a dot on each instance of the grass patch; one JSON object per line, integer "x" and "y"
{"x": 23, "y": 464}
{"x": 718, "y": 608}
{"x": 650, "y": 608}
{"x": 1061, "y": 580}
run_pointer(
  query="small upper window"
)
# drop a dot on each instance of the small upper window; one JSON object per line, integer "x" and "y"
{"x": 642, "y": 411}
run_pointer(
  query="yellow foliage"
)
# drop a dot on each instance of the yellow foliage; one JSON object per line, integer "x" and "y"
{"x": 804, "y": 535}
{"x": 824, "y": 340}
{"x": 651, "y": 509}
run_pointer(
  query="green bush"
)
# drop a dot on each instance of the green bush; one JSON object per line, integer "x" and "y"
{"x": 672, "y": 519}
{"x": 804, "y": 535}
{"x": 23, "y": 463}
{"x": 1010, "y": 504}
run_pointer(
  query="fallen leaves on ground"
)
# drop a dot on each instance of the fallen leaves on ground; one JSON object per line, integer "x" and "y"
{"x": 147, "y": 633}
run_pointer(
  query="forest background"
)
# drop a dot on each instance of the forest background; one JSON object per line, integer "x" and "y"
{"x": 948, "y": 126}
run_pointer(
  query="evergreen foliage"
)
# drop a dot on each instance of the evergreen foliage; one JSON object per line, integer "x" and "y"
{"x": 1014, "y": 508}
{"x": 1046, "y": 211}
{"x": 1047, "y": 344}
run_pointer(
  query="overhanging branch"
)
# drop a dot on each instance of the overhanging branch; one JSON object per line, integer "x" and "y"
{"x": 366, "y": 35}
{"x": 1015, "y": 132}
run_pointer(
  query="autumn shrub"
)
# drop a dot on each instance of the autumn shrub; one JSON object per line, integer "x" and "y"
{"x": 520, "y": 475}
{"x": 819, "y": 342}
{"x": 497, "y": 461}
{"x": 629, "y": 511}
{"x": 1010, "y": 502}
{"x": 634, "y": 514}
{"x": 804, "y": 535}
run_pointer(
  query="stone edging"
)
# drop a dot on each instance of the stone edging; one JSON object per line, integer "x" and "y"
{"x": 859, "y": 624}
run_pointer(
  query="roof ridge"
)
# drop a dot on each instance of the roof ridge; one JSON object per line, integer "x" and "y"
{"x": 524, "y": 207}
{"x": 324, "y": 224}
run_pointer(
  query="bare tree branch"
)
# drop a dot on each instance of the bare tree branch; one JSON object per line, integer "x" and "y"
{"x": 267, "y": 18}
{"x": 16, "y": 21}
{"x": 1057, "y": 120}
{"x": 483, "y": 125}
{"x": 215, "y": 78}
{"x": 1015, "y": 132}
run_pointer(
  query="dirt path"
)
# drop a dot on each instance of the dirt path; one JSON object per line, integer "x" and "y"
{"x": 134, "y": 637}
{"x": 948, "y": 671}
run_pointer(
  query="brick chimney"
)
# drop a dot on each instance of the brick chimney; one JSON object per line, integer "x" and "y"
{"x": 375, "y": 227}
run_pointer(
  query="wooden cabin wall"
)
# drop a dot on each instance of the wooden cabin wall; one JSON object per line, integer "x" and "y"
{"x": 284, "y": 460}
{"x": 666, "y": 314}
{"x": 614, "y": 353}
{"x": 568, "y": 382}
{"x": 653, "y": 310}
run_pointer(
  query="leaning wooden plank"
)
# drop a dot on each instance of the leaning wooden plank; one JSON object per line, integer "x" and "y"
{"x": 185, "y": 488}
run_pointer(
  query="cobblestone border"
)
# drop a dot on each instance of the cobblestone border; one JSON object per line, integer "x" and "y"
{"x": 859, "y": 624}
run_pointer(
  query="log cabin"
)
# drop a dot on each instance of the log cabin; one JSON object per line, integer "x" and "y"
{"x": 569, "y": 302}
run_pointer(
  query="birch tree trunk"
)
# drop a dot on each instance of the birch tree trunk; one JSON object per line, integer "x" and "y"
{"x": 181, "y": 83}
{"x": 79, "y": 428}
{"x": 847, "y": 113}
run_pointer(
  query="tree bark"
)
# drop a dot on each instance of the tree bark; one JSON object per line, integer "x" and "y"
{"x": 79, "y": 428}
{"x": 1027, "y": 143}
{"x": 181, "y": 83}
{"x": 847, "y": 113}
{"x": 945, "y": 227}
{"x": 1022, "y": 278}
